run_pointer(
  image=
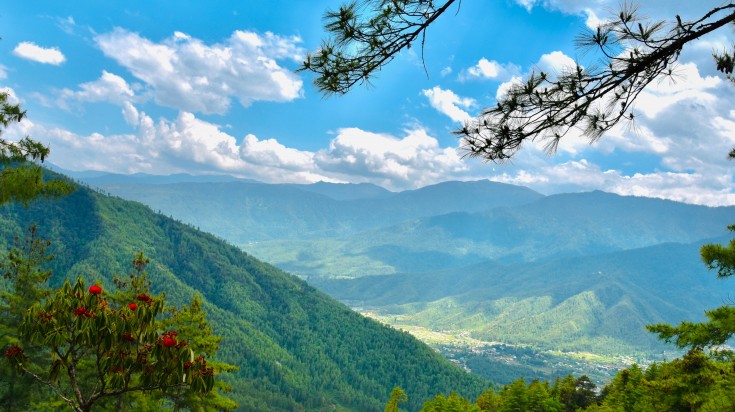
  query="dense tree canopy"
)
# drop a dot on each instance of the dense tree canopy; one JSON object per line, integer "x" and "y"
{"x": 20, "y": 178}
{"x": 96, "y": 347}
{"x": 365, "y": 35}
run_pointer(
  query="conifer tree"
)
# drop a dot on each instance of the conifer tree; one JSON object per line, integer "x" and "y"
{"x": 365, "y": 35}
{"x": 21, "y": 178}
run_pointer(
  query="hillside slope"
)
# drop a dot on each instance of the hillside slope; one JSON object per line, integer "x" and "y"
{"x": 295, "y": 346}
{"x": 599, "y": 303}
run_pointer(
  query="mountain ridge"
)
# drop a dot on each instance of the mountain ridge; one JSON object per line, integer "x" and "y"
{"x": 295, "y": 346}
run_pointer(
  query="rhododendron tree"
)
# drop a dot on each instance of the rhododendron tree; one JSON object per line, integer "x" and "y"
{"x": 102, "y": 346}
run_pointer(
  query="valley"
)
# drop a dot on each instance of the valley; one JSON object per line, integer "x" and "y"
{"x": 467, "y": 265}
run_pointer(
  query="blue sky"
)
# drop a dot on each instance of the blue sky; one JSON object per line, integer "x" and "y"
{"x": 210, "y": 88}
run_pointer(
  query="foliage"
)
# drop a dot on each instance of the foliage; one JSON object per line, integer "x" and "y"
{"x": 633, "y": 52}
{"x": 24, "y": 285}
{"x": 295, "y": 346}
{"x": 720, "y": 326}
{"x": 20, "y": 179}
{"x": 396, "y": 396}
{"x": 92, "y": 347}
{"x": 366, "y": 35}
{"x": 696, "y": 382}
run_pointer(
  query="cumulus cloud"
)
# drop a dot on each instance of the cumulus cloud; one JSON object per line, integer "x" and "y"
{"x": 556, "y": 63}
{"x": 31, "y": 51}
{"x": 185, "y": 73}
{"x": 414, "y": 160}
{"x": 489, "y": 69}
{"x": 651, "y": 8}
{"x": 109, "y": 88}
{"x": 449, "y": 103}
{"x": 553, "y": 63}
{"x": 685, "y": 85}
{"x": 190, "y": 144}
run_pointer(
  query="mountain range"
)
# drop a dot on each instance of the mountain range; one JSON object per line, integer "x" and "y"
{"x": 572, "y": 272}
{"x": 296, "y": 348}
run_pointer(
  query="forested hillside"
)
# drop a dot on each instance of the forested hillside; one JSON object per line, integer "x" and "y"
{"x": 570, "y": 272}
{"x": 295, "y": 346}
{"x": 599, "y": 304}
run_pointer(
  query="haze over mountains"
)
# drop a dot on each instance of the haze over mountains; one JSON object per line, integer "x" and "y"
{"x": 581, "y": 271}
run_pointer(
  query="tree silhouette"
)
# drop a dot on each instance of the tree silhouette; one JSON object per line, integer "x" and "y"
{"x": 633, "y": 52}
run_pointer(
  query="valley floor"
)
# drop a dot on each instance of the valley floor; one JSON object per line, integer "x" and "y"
{"x": 504, "y": 362}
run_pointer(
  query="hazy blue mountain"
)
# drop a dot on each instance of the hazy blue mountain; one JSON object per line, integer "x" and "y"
{"x": 244, "y": 212}
{"x": 296, "y": 347}
{"x": 597, "y": 303}
{"x": 550, "y": 227}
{"x": 346, "y": 191}
{"x": 100, "y": 180}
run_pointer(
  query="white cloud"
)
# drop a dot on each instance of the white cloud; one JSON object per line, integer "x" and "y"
{"x": 448, "y": 103}
{"x": 412, "y": 161}
{"x": 192, "y": 145}
{"x": 685, "y": 85}
{"x": 556, "y": 63}
{"x": 3, "y": 72}
{"x": 489, "y": 70}
{"x": 593, "y": 21}
{"x": 504, "y": 87}
{"x": 109, "y": 88}
{"x": 486, "y": 69}
{"x": 130, "y": 114}
{"x": 185, "y": 73}
{"x": 31, "y": 51}
{"x": 527, "y": 4}
{"x": 553, "y": 64}
{"x": 583, "y": 175}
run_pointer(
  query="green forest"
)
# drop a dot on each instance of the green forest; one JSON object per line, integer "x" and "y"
{"x": 111, "y": 304}
{"x": 293, "y": 346}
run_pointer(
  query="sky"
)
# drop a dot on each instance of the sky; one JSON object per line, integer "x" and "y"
{"x": 211, "y": 88}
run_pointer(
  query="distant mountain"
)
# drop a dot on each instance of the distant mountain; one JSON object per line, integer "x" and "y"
{"x": 242, "y": 212}
{"x": 346, "y": 191}
{"x": 582, "y": 271}
{"x": 297, "y": 348}
{"x": 97, "y": 179}
{"x": 549, "y": 227}
{"x": 595, "y": 303}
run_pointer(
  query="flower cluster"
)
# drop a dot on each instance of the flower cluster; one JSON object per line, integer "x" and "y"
{"x": 145, "y": 298}
{"x": 132, "y": 306}
{"x": 168, "y": 340}
{"x": 13, "y": 351}
{"x": 95, "y": 290}
{"x": 81, "y": 311}
{"x": 203, "y": 369}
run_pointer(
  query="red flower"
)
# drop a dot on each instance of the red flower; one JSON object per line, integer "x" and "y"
{"x": 95, "y": 290}
{"x": 168, "y": 341}
{"x": 144, "y": 298}
{"x": 128, "y": 337}
{"x": 132, "y": 306}
{"x": 84, "y": 312}
{"x": 13, "y": 351}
